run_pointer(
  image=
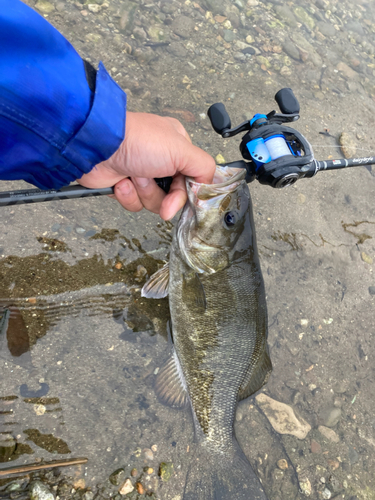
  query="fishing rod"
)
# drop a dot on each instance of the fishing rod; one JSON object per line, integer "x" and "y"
{"x": 277, "y": 155}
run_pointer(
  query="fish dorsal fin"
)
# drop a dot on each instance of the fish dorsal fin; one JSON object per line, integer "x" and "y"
{"x": 157, "y": 286}
{"x": 256, "y": 376}
{"x": 170, "y": 385}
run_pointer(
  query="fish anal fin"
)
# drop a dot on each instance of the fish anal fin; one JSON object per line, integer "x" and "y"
{"x": 170, "y": 385}
{"x": 257, "y": 375}
{"x": 157, "y": 286}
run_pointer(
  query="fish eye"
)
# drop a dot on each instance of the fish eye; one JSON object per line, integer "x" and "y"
{"x": 230, "y": 219}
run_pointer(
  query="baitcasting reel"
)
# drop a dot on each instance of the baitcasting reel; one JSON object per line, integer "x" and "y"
{"x": 277, "y": 155}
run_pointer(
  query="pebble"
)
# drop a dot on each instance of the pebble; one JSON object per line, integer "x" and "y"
{"x": 166, "y": 471}
{"x": 93, "y": 7}
{"x": 117, "y": 477}
{"x": 229, "y": 36}
{"x": 126, "y": 488}
{"x": 331, "y": 416}
{"x": 326, "y": 494}
{"x": 328, "y": 433}
{"x": 140, "y": 488}
{"x": 183, "y": 26}
{"x": 148, "y": 454}
{"x": 282, "y": 464}
{"x": 282, "y": 417}
{"x": 44, "y": 6}
{"x": 154, "y": 448}
{"x": 7, "y": 446}
{"x": 366, "y": 258}
{"x": 315, "y": 447}
{"x": 55, "y": 227}
{"x": 348, "y": 146}
{"x": 39, "y": 491}
{"x": 371, "y": 290}
{"x": 305, "y": 486}
{"x": 220, "y": 160}
{"x": 89, "y": 495}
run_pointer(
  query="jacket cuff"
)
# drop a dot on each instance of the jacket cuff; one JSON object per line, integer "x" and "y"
{"x": 104, "y": 130}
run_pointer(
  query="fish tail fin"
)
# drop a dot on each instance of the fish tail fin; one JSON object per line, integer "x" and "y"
{"x": 222, "y": 476}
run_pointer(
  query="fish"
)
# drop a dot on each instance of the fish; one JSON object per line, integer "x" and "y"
{"x": 218, "y": 330}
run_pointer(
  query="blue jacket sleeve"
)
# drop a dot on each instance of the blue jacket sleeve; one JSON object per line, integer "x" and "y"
{"x": 53, "y": 127}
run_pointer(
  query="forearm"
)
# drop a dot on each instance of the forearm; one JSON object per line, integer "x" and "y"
{"x": 53, "y": 127}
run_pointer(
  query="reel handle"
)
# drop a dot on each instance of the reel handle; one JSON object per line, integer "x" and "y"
{"x": 219, "y": 118}
{"x": 287, "y": 102}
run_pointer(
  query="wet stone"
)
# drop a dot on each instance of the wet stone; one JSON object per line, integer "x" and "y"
{"x": 44, "y": 7}
{"x": 371, "y": 290}
{"x": 39, "y": 491}
{"x": 7, "y": 446}
{"x": 328, "y": 433}
{"x": 229, "y": 36}
{"x": 166, "y": 471}
{"x": 148, "y": 454}
{"x": 183, "y": 26}
{"x": 331, "y": 416}
{"x": 117, "y": 477}
{"x": 55, "y": 227}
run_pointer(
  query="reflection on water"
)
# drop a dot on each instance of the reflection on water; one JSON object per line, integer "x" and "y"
{"x": 77, "y": 325}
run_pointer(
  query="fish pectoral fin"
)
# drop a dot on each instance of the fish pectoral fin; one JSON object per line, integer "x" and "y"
{"x": 256, "y": 376}
{"x": 170, "y": 384}
{"x": 157, "y": 286}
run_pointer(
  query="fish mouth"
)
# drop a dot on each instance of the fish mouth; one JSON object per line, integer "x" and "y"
{"x": 226, "y": 179}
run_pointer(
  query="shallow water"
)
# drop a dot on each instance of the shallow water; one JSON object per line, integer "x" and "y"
{"x": 82, "y": 346}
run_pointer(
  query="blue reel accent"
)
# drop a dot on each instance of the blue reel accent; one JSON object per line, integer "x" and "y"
{"x": 258, "y": 151}
{"x": 257, "y": 117}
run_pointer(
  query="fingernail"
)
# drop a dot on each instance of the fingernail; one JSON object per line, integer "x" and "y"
{"x": 142, "y": 181}
{"x": 126, "y": 188}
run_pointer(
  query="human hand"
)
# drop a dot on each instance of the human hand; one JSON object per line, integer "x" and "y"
{"x": 154, "y": 146}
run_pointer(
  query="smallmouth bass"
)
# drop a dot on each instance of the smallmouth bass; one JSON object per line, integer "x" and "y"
{"x": 218, "y": 328}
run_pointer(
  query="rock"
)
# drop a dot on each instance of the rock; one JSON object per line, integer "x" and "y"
{"x": 285, "y": 14}
{"x": 39, "y": 491}
{"x": 366, "y": 258}
{"x": 356, "y": 27}
{"x": 315, "y": 447}
{"x": 282, "y": 464}
{"x": 93, "y": 7}
{"x": 7, "y": 446}
{"x": 127, "y": 14}
{"x": 348, "y": 146}
{"x": 178, "y": 50}
{"x": 328, "y": 433}
{"x": 305, "y": 485}
{"x": 229, "y": 36}
{"x": 183, "y": 26}
{"x": 347, "y": 72}
{"x": 340, "y": 387}
{"x": 181, "y": 114}
{"x": 220, "y": 160}
{"x": 326, "y": 494}
{"x": 148, "y": 454}
{"x": 331, "y": 416}
{"x": 301, "y": 13}
{"x": 306, "y": 50}
{"x": 371, "y": 290}
{"x": 117, "y": 477}
{"x": 282, "y": 417}
{"x": 290, "y": 49}
{"x": 166, "y": 471}
{"x": 215, "y": 6}
{"x": 139, "y": 33}
{"x": 44, "y": 6}
{"x": 89, "y": 495}
{"x": 126, "y": 488}
{"x": 327, "y": 29}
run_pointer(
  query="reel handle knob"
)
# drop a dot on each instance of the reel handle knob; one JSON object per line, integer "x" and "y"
{"x": 219, "y": 118}
{"x": 287, "y": 101}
